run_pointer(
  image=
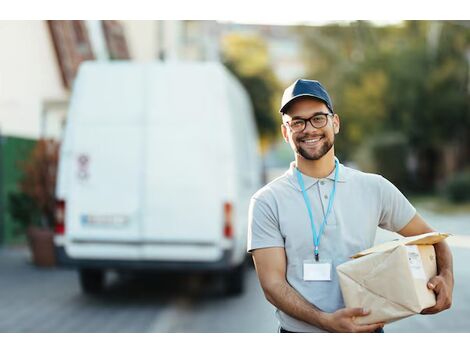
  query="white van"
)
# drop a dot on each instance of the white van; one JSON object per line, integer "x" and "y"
{"x": 157, "y": 165}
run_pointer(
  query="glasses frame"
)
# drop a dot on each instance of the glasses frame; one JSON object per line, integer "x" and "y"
{"x": 327, "y": 114}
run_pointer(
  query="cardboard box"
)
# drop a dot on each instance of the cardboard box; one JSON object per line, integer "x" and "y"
{"x": 391, "y": 279}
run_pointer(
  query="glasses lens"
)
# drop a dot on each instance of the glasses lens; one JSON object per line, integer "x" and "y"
{"x": 297, "y": 125}
{"x": 319, "y": 121}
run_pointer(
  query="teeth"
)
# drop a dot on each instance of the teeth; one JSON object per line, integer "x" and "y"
{"x": 311, "y": 140}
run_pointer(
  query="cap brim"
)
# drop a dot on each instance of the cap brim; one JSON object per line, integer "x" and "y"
{"x": 283, "y": 108}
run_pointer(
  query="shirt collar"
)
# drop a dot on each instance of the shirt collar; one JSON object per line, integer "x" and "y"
{"x": 310, "y": 181}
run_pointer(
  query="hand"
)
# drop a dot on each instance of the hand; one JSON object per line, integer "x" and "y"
{"x": 343, "y": 321}
{"x": 442, "y": 286}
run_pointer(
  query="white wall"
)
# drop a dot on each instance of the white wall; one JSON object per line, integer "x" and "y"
{"x": 142, "y": 39}
{"x": 29, "y": 75}
{"x": 97, "y": 39}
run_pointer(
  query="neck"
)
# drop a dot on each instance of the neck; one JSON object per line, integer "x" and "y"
{"x": 317, "y": 168}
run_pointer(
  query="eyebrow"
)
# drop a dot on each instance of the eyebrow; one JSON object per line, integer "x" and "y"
{"x": 314, "y": 114}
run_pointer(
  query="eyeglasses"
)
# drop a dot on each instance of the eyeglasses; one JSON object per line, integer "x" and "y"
{"x": 318, "y": 120}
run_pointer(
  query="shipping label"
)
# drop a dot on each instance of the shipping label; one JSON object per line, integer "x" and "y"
{"x": 415, "y": 262}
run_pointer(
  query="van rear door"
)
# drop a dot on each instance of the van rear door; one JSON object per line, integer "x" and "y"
{"x": 187, "y": 159}
{"x": 105, "y": 155}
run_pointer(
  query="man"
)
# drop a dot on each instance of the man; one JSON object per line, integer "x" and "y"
{"x": 322, "y": 212}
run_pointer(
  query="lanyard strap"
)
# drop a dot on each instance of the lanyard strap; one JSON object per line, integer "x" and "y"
{"x": 316, "y": 237}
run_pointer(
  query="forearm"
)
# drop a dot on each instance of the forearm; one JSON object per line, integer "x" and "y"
{"x": 418, "y": 226}
{"x": 287, "y": 299}
{"x": 444, "y": 260}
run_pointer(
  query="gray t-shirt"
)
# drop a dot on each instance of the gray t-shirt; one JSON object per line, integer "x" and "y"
{"x": 278, "y": 217}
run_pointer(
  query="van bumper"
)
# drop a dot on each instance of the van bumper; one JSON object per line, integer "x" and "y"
{"x": 223, "y": 264}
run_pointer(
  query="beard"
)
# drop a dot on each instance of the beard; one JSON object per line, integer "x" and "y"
{"x": 318, "y": 153}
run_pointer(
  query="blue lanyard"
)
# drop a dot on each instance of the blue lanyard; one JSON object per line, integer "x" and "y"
{"x": 316, "y": 237}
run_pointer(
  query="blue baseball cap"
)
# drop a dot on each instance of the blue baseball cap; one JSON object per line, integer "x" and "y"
{"x": 305, "y": 88}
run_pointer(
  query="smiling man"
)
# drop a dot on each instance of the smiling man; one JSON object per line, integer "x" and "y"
{"x": 319, "y": 213}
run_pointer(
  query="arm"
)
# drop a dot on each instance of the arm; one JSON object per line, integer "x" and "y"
{"x": 270, "y": 265}
{"x": 443, "y": 283}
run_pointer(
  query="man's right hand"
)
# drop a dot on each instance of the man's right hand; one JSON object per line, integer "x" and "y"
{"x": 343, "y": 321}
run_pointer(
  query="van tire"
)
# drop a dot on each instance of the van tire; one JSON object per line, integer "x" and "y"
{"x": 91, "y": 280}
{"x": 234, "y": 281}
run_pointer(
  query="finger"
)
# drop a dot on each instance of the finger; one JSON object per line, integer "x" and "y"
{"x": 442, "y": 302}
{"x": 433, "y": 310}
{"x": 369, "y": 327}
{"x": 434, "y": 284}
{"x": 430, "y": 310}
{"x": 357, "y": 312}
{"x": 442, "y": 296}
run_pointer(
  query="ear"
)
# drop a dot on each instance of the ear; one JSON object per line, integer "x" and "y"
{"x": 284, "y": 133}
{"x": 336, "y": 123}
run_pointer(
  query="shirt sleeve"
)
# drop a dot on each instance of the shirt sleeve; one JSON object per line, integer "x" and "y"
{"x": 396, "y": 210}
{"x": 263, "y": 226}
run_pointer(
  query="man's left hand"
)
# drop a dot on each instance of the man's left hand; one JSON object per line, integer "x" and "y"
{"x": 442, "y": 286}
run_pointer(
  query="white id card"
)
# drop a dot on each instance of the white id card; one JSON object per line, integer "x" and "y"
{"x": 317, "y": 271}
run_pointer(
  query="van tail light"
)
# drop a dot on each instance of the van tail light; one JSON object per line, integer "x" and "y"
{"x": 228, "y": 224}
{"x": 60, "y": 217}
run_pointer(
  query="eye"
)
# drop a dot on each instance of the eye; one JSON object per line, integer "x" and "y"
{"x": 296, "y": 123}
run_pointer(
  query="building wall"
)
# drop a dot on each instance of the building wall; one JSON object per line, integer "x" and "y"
{"x": 29, "y": 76}
{"x": 31, "y": 79}
{"x": 173, "y": 40}
{"x": 201, "y": 40}
{"x": 142, "y": 39}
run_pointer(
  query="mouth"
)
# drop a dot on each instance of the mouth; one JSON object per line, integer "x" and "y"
{"x": 311, "y": 141}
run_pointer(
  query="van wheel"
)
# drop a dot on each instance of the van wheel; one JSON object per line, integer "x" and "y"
{"x": 91, "y": 280}
{"x": 234, "y": 281}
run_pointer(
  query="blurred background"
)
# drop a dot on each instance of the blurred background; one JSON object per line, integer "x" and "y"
{"x": 402, "y": 90}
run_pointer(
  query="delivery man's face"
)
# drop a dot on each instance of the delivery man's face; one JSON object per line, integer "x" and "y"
{"x": 311, "y": 143}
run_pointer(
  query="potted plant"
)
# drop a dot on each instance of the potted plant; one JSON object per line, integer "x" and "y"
{"x": 34, "y": 206}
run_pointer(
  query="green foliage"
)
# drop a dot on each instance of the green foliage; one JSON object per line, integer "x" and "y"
{"x": 387, "y": 153}
{"x": 390, "y": 152}
{"x": 428, "y": 93}
{"x": 247, "y": 58}
{"x": 412, "y": 79}
{"x": 34, "y": 203}
{"x": 457, "y": 189}
{"x": 23, "y": 210}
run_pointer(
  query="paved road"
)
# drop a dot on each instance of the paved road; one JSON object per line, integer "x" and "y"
{"x": 49, "y": 300}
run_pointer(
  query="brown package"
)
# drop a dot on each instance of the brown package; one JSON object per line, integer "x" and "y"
{"x": 391, "y": 279}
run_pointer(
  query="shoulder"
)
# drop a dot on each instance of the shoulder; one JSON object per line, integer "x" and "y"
{"x": 271, "y": 191}
{"x": 366, "y": 180}
{"x": 361, "y": 176}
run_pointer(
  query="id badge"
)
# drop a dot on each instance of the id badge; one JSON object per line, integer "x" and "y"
{"x": 317, "y": 270}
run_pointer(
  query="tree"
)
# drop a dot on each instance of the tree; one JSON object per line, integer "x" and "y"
{"x": 412, "y": 79}
{"x": 248, "y": 59}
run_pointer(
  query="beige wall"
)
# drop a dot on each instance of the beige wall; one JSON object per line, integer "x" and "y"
{"x": 29, "y": 75}
{"x": 142, "y": 39}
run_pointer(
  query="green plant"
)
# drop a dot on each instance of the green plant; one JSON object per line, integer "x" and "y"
{"x": 23, "y": 210}
{"x": 34, "y": 205}
{"x": 457, "y": 188}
